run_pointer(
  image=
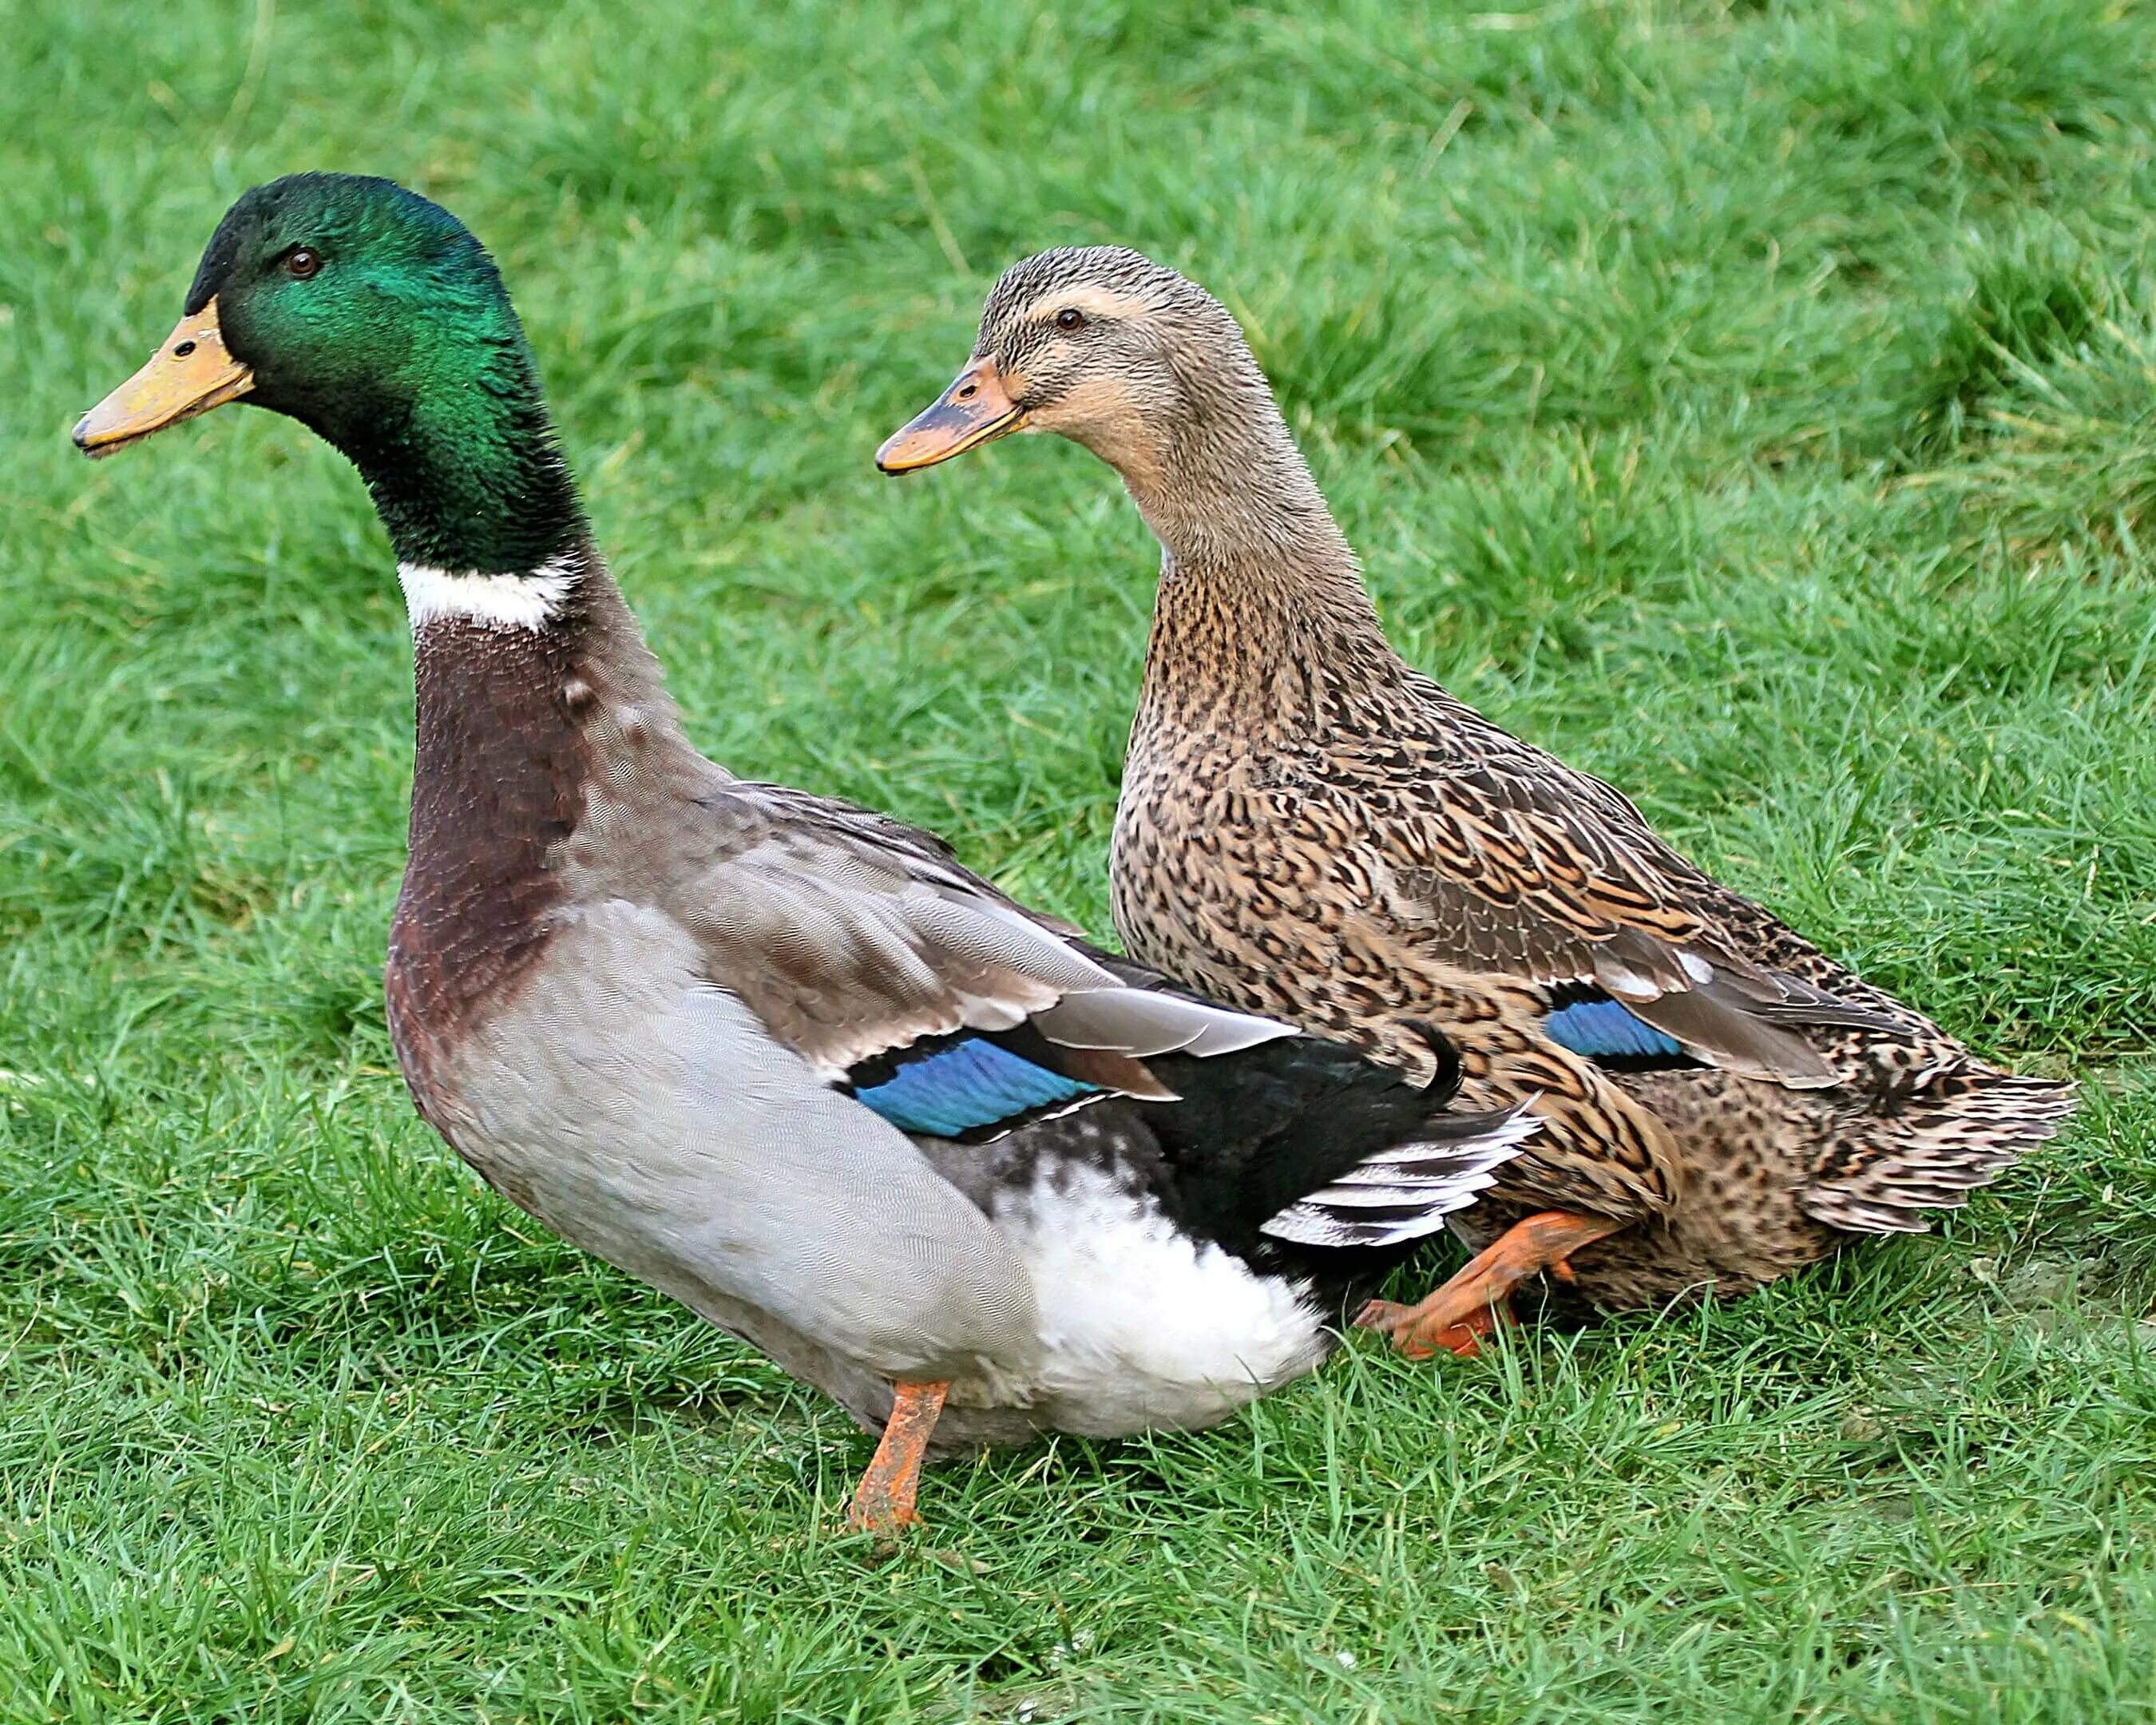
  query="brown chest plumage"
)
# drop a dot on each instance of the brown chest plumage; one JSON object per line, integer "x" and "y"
{"x": 1258, "y": 854}
{"x": 499, "y": 776}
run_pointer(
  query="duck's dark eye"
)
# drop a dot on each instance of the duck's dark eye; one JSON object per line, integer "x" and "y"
{"x": 1070, "y": 318}
{"x": 303, "y": 264}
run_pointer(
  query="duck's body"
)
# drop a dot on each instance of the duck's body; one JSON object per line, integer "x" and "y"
{"x": 1311, "y": 827}
{"x": 642, "y": 998}
{"x": 783, "y": 1059}
{"x": 1388, "y": 881}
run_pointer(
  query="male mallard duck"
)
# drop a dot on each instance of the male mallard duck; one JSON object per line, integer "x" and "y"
{"x": 781, "y": 1058}
{"x": 1310, "y": 827}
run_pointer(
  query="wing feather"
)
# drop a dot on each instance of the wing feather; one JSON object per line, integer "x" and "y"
{"x": 852, "y": 937}
{"x": 1526, "y": 868}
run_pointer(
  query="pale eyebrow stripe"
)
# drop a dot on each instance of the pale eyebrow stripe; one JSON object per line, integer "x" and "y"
{"x": 1093, "y": 301}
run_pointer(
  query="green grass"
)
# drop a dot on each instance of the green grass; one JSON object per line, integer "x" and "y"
{"x": 1752, "y": 401}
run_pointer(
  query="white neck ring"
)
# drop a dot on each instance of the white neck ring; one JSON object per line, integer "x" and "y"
{"x": 528, "y": 601}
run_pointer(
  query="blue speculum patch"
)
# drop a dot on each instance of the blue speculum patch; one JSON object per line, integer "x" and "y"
{"x": 1604, "y": 1029}
{"x": 967, "y": 1085}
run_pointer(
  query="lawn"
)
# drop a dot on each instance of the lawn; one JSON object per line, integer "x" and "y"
{"x": 1756, "y": 403}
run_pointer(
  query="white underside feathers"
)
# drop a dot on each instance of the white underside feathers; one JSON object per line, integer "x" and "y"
{"x": 1142, "y": 1326}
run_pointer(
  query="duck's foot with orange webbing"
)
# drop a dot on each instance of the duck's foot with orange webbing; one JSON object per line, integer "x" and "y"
{"x": 1464, "y": 1313}
{"x": 883, "y": 1502}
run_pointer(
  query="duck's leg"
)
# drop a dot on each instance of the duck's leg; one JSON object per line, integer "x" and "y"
{"x": 883, "y": 1502}
{"x": 1469, "y": 1308}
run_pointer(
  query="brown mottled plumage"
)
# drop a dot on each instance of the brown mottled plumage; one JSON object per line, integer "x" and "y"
{"x": 1311, "y": 827}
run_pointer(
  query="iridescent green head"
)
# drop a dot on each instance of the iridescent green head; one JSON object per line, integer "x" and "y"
{"x": 373, "y": 316}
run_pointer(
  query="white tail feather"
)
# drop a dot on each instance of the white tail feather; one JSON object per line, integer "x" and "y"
{"x": 1406, "y": 1192}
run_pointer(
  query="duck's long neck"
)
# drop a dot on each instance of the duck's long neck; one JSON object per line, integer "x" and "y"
{"x": 460, "y": 455}
{"x": 521, "y": 643}
{"x": 534, "y": 690}
{"x": 1261, "y": 606}
{"x": 520, "y": 636}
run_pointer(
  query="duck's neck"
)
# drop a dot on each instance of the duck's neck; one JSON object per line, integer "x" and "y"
{"x": 461, "y": 456}
{"x": 1261, "y": 606}
{"x": 526, "y": 686}
{"x": 523, "y": 651}
{"x": 536, "y": 696}
{"x": 520, "y": 640}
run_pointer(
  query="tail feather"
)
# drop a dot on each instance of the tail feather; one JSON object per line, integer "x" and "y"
{"x": 1957, "y": 1133}
{"x": 1406, "y": 1191}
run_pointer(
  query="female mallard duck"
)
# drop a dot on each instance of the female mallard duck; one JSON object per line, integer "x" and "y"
{"x": 1309, "y": 827}
{"x": 783, "y": 1059}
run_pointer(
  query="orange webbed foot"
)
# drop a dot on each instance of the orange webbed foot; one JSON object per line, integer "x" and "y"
{"x": 1419, "y": 1334}
{"x": 1460, "y": 1316}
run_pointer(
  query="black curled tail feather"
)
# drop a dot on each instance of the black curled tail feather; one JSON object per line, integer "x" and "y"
{"x": 1443, "y": 1083}
{"x": 1258, "y": 1134}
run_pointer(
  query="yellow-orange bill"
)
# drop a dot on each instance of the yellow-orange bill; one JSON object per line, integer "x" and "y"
{"x": 976, "y": 408}
{"x": 190, "y": 374}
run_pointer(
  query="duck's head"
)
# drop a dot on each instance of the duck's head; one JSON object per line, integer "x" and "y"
{"x": 374, "y": 317}
{"x": 1102, "y": 345}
